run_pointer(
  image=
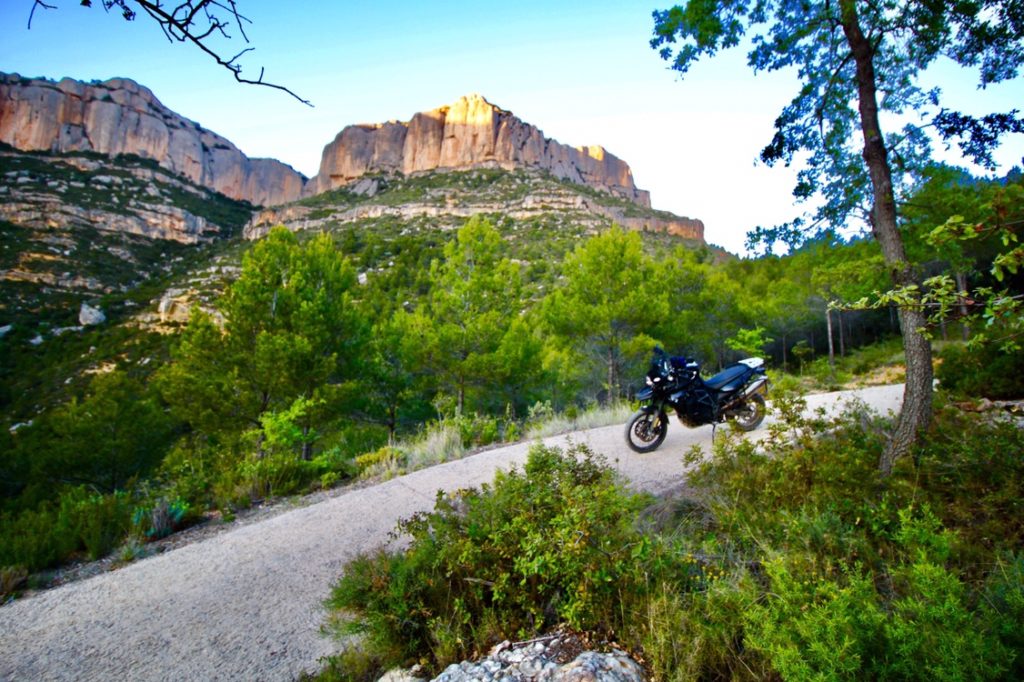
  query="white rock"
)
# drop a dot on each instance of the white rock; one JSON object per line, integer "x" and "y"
{"x": 87, "y": 315}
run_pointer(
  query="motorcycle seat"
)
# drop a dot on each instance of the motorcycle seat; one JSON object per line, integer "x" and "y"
{"x": 723, "y": 378}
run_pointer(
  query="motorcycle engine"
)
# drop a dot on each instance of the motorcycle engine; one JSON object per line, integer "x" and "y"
{"x": 699, "y": 408}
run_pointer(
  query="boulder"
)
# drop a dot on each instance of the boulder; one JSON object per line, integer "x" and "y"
{"x": 89, "y": 316}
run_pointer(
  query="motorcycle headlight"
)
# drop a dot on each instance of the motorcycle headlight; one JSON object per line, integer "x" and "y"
{"x": 649, "y": 382}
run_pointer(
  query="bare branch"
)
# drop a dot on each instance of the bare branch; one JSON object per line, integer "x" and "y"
{"x": 37, "y": 4}
{"x": 179, "y": 25}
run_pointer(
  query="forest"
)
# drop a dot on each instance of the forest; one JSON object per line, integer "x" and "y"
{"x": 332, "y": 355}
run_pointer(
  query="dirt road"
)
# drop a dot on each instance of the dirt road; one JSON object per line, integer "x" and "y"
{"x": 246, "y": 604}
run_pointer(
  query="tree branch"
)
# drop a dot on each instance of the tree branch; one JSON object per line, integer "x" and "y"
{"x": 36, "y": 4}
{"x": 179, "y": 24}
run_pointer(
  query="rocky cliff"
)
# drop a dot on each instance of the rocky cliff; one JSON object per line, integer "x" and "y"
{"x": 120, "y": 116}
{"x": 470, "y": 133}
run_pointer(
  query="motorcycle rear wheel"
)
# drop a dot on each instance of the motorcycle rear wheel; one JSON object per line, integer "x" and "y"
{"x": 645, "y": 431}
{"x": 749, "y": 414}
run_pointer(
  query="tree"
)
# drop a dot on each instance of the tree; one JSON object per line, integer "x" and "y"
{"x": 868, "y": 55}
{"x": 390, "y": 376}
{"x": 117, "y": 432}
{"x": 199, "y": 22}
{"x": 471, "y": 306}
{"x": 291, "y": 332}
{"x": 608, "y": 305}
{"x": 949, "y": 192}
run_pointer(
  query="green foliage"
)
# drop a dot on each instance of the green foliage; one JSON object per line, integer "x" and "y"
{"x": 115, "y": 434}
{"x": 465, "y": 331}
{"x": 982, "y": 371}
{"x": 749, "y": 341}
{"x": 99, "y": 521}
{"x": 290, "y": 328}
{"x": 161, "y": 518}
{"x": 36, "y": 539}
{"x": 858, "y": 584}
{"x": 553, "y": 543}
{"x": 608, "y": 305}
{"x": 81, "y": 521}
{"x": 823, "y": 119}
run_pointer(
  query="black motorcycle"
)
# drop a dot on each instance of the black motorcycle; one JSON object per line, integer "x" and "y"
{"x": 736, "y": 394}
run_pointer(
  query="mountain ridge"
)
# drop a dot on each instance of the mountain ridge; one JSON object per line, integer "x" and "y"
{"x": 469, "y": 133}
{"x": 119, "y": 117}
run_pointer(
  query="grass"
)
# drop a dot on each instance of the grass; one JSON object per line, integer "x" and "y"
{"x": 877, "y": 364}
{"x": 572, "y": 420}
{"x": 453, "y": 438}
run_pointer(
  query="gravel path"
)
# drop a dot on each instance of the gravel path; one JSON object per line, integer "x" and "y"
{"x": 247, "y": 604}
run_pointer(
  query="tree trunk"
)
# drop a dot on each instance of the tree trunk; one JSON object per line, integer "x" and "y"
{"x": 831, "y": 348}
{"x": 785, "y": 366}
{"x": 917, "y": 395}
{"x": 842, "y": 341}
{"x": 392, "y": 424}
{"x": 307, "y": 447}
{"x": 611, "y": 375}
{"x": 961, "y": 288}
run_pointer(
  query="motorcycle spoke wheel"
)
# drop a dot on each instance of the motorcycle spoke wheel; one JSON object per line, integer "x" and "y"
{"x": 749, "y": 415}
{"x": 645, "y": 431}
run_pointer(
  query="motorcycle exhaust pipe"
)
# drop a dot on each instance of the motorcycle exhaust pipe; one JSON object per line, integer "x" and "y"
{"x": 759, "y": 386}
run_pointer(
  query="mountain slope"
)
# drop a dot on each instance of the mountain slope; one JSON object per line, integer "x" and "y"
{"x": 453, "y": 196}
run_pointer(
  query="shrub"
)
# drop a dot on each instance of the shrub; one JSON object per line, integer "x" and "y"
{"x": 50, "y": 534}
{"x": 11, "y": 580}
{"x": 35, "y": 539}
{"x": 161, "y": 518}
{"x": 985, "y": 371}
{"x": 99, "y": 521}
{"x": 554, "y": 543}
{"x": 839, "y": 573}
{"x": 386, "y": 461}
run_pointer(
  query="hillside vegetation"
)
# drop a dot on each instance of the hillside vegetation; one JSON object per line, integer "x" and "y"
{"x": 310, "y": 356}
{"x": 792, "y": 558}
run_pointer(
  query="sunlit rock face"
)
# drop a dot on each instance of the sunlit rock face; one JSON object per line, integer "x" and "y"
{"x": 469, "y": 133}
{"x": 119, "y": 116}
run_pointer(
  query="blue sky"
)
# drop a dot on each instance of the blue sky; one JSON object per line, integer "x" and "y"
{"x": 581, "y": 72}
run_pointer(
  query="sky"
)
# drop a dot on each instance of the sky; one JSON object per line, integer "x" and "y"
{"x": 582, "y": 72}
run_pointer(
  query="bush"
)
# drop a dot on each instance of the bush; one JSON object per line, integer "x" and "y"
{"x": 161, "y": 518}
{"x": 831, "y": 571}
{"x": 985, "y": 371}
{"x": 81, "y": 520}
{"x": 36, "y": 539}
{"x": 386, "y": 461}
{"x": 555, "y": 543}
{"x": 100, "y": 522}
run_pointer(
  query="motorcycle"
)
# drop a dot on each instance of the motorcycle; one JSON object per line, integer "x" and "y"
{"x": 735, "y": 394}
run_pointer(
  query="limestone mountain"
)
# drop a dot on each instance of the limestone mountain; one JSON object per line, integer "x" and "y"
{"x": 449, "y": 198}
{"x": 119, "y": 116}
{"x": 469, "y": 133}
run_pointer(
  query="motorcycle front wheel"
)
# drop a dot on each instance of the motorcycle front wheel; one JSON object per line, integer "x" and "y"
{"x": 646, "y": 431}
{"x": 749, "y": 414}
